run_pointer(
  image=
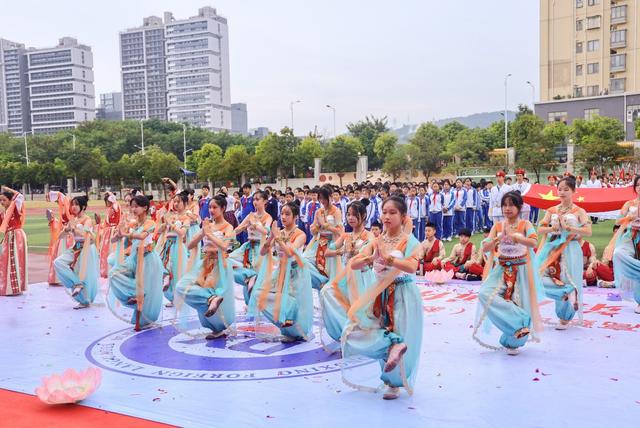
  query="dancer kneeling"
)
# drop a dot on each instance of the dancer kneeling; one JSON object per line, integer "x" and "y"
{"x": 77, "y": 267}
{"x": 284, "y": 295}
{"x": 135, "y": 285}
{"x": 208, "y": 286}
{"x": 510, "y": 292}
{"x": 385, "y": 322}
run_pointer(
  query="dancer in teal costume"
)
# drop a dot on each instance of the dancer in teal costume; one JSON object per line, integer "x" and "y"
{"x": 135, "y": 286}
{"x": 510, "y": 293}
{"x": 326, "y": 227}
{"x": 172, "y": 245}
{"x": 559, "y": 255}
{"x": 78, "y": 266}
{"x": 385, "y": 322}
{"x": 342, "y": 290}
{"x": 626, "y": 256}
{"x": 208, "y": 286}
{"x": 283, "y": 295}
{"x": 246, "y": 259}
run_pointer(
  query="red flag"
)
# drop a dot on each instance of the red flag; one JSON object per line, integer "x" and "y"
{"x": 592, "y": 200}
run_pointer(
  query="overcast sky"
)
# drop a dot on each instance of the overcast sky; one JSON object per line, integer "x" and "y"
{"x": 411, "y": 60}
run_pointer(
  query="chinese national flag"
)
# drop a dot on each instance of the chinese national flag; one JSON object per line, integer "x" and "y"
{"x": 592, "y": 200}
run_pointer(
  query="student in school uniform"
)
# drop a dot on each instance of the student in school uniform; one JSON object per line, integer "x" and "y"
{"x": 435, "y": 209}
{"x": 413, "y": 210}
{"x": 448, "y": 201}
{"x": 423, "y": 204}
{"x": 470, "y": 205}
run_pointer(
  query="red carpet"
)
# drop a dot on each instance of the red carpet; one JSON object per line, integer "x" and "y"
{"x": 24, "y": 410}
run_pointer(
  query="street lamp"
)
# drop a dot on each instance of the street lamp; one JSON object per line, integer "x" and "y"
{"x": 26, "y": 147}
{"x": 184, "y": 144}
{"x": 506, "y": 132}
{"x": 291, "y": 108}
{"x": 533, "y": 96}
{"x": 334, "y": 119}
{"x": 142, "y": 135}
{"x": 75, "y": 176}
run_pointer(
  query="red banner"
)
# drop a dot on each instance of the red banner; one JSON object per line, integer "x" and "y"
{"x": 592, "y": 200}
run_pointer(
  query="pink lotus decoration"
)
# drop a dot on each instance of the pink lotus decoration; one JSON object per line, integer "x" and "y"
{"x": 70, "y": 387}
{"x": 439, "y": 276}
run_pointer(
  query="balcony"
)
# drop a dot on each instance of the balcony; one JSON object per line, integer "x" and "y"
{"x": 618, "y": 63}
{"x": 618, "y": 39}
{"x": 617, "y": 86}
{"x": 619, "y": 14}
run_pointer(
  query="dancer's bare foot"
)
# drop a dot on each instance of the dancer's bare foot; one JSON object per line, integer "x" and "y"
{"x": 168, "y": 305}
{"x": 76, "y": 290}
{"x": 214, "y": 304}
{"x": 214, "y": 336}
{"x": 166, "y": 282}
{"x": 637, "y": 310}
{"x": 564, "y": 324}
{"x": 392, "y": 392}
{"x": 521, "y": 333}
{"x": 513, "y": 351}
{"x": 80, "y": 306}
{"x": 395, "y": 355}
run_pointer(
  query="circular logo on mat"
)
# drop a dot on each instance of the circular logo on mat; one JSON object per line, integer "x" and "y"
{"x": 167, "y": 353}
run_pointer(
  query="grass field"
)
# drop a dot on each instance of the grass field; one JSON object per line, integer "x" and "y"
{"x": 37, "y": 232}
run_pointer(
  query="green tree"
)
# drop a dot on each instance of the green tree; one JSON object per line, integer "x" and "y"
{"x": 452, "y": 129}
{"x": 468, "y": 148}
{"x": 597, "y": 141}
{"x": 238, "y": 162}
{"x": 396, "y": 163}
{"x": 385, "y": 145}
{"x": 342, "y": 153}
{"x": 367, "y": 132}
{"x": 275, "y": 153}
{"x": 209, "y": 162}
{"x": 309, "y": 149}
{"x": 425, "y": 149}
{"x": 523, "y": 110}
{"x": 535, "y": 149}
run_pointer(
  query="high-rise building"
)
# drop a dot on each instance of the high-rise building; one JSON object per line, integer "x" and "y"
{"x": 198, "y": 85}
{"x": 14, "y": 96}
{"x": 178, "y": 70}
{"x": 142, "y": 62}
{"x": 110, "y": 107}
{"x": 239, "y": 119}
{"x": 588, "y": 60}
{"x": 61, "y": 88}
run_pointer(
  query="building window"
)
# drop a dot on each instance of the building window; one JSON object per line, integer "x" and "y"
{"x": 84, "y": 74}
{"x": 593, "y": 22}
{"x": 577, "y": 92}
{"x": 579, "y": 3}
{"x": 593, "y": 90}
{"x": 590, "y": 113}
{"x": 579, "y": 25}
{"x": 617, "y": 85}
{"x": 593, "y": 2}
{"x": 618, "y": 14}
{"x": 579, "y": 70}
{"x": 618, "y": 62}
{"x": 578, "y": 47}
{"x": 593, "y": 68}
{"x": 593, "y": 45}
{"x": 618, "y": 38}
{"x": 558, "y": 116}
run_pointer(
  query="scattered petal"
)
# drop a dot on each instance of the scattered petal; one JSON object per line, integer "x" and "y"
{"x": 156, "y": 399}
{"x": 613, "y": 379}
{"x": 536, "y": 379}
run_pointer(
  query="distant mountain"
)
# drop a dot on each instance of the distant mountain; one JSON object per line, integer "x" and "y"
{"x": 477, "y": 120}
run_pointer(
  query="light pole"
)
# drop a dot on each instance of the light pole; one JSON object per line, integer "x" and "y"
{"x": 334, "y": 119}
{"x": 26, "y": 147}
{"x": 291, "y": 108}
{"x": 142, "y": 135}
{"x": 506, "y": 125}
{"x": 533, "y": 96}
{"x": 184, "y": 145}
{"x": 75, "y": 177}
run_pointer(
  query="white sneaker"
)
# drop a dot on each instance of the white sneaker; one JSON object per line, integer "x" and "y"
{"x": 637, "y": 310}
{"x": 513, "y": 351}
{"x": 392, "y": 393}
